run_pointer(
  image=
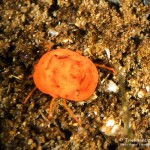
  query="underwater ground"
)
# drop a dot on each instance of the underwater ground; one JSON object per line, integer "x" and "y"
{"x": 115, "y": 33}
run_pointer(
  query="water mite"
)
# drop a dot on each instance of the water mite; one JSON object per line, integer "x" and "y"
{"x": 65, "y": 74}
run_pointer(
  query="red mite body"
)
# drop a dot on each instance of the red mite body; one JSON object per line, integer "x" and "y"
{"x": 63, "y": 73}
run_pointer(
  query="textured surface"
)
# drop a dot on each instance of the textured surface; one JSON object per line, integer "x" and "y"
{"x": 113, "y": 34}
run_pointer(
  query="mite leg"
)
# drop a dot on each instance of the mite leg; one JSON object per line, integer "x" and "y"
{"x": 29, "y": 95}
{"x": 71, "y": 112}
{"x": 51, "y": 108}
{"x": 103, "y": 66}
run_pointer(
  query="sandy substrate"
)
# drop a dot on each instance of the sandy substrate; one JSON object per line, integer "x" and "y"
{"x": 116, "y": 34}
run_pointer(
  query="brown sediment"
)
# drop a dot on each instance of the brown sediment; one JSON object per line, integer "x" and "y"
{"x": 94, "y": 27}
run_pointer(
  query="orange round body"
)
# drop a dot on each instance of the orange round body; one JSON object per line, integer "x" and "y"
{"x": 63, "y": 73}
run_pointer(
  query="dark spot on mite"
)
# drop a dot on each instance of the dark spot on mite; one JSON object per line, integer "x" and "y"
{"x": 62, "y": 57}
{"x": 74, "y": 76}
{"x": 57, "y": 86}
{"x": 49, "y": 63}
{"x": 82, "y": 80}
{"x": 77, "y": 92}
{"x": 66, "y": 96}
